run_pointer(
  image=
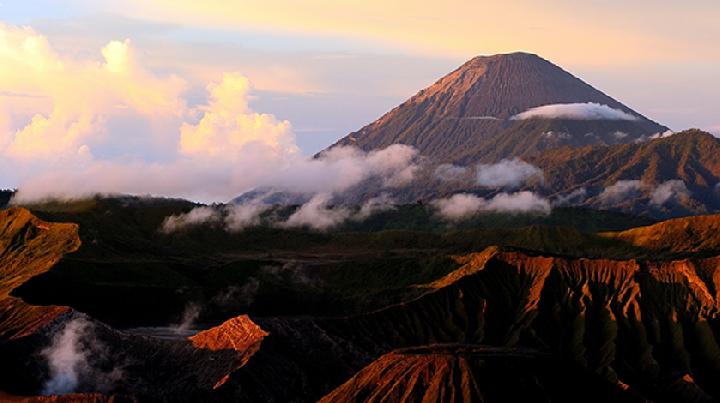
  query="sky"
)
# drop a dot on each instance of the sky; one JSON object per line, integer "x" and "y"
{"x": 101, "y": 86}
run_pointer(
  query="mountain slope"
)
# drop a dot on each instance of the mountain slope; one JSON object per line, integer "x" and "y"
{"x": 466, "y": 115}
{"x": 699, "y": 234}
{"x": 29, "y": 247}
{"x": 690, "y": 157}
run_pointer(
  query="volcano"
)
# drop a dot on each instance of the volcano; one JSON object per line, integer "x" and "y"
{"x": 484, "y": 111}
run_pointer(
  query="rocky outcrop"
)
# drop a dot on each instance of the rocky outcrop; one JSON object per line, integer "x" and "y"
{"x": 29, "y": 247}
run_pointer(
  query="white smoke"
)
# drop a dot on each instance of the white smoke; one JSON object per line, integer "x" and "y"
{"x": 575, "y": 111}
{"x": 70, "y": 357}
{"x": 187, "y": 321}
{"x": 195, "y": 217}
{"x": 669, "y": 190}
{"x": 317, "y": 214}
{"x": 463, "y": 205}
{"x": 234, "y": 296}
{"x": 510, "y": 173}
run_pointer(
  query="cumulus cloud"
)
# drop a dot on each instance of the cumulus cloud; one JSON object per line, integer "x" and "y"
{"x": 317, "y": 214}
{"x": 71, "y": 103}
{"x": 463, "y": 205}
{"x": 667, "y": 191}
{"x": 71, "y": 358}
{"x": 107, "y": 125}
{"x": 620, "y": 191}
{"x": 229, "y": 124}
{"x": 575, "y": 111}
{"x": 507, "y": 173}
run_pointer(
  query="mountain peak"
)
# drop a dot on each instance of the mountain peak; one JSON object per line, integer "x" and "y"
{"x": 470, "y": 114}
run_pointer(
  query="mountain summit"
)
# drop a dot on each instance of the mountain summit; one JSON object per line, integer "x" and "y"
{"x": 500, "y": 106}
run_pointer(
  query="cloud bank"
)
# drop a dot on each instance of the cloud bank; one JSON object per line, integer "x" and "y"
{"x": 74, "y": 127}
{"x": 510, "y": 173}
{"x": 575, "y": 111}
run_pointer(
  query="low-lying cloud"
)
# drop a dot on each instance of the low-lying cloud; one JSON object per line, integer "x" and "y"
{"x": 622, "y": 190}
{"x": 375, "y": 205}
{"x": 574, "y": 197}
{"x": 197, "y": 216}
{"x": 464, "y": 205}
{"x": 671, "y": 190}
{"x": 450, "y": 172}
{"x": 575, "y": 111}
{"x": 317, "y": 214}
{"x": 509, "y": 173}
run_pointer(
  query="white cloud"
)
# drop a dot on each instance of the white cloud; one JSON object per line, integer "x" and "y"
{"x": 92, "y": 126}
{"x": 245, "y": 215}
{"x": 667, "y": 191}
{"x": 507, "y": 173}
{"x": 228, "y": 124}
{"x": 375, "y": 205}
{"x": 450, "y": 172}
{"x": 575, "y": 111}
{"x": 463, "y": 205}
{"x": 624, "y": 190}
{"x": 620, "y": 191}
{"x": 197, "y": 216}
{"x": 458, "y": 206}
{"x": 574, "y": 197}
{"x": 662, "y": 135}
{"x": 317, "y": 214}
{"x": 70, "y": 103}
